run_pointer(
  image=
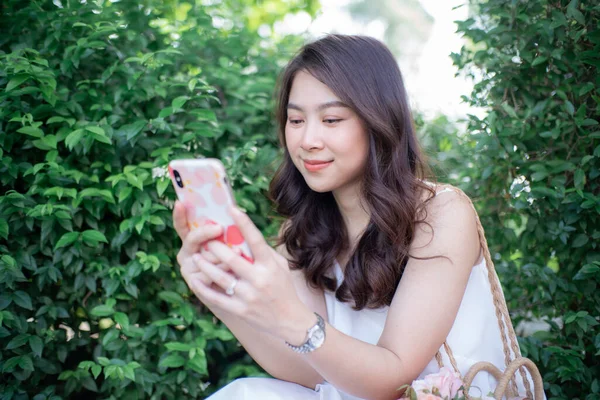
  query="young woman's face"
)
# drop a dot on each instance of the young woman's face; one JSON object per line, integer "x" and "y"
{"x": 327, "y": 141}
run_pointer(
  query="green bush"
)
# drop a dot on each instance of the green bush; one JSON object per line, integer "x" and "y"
{"x": 96, "y": 97}
{"x": 532, "y": 170}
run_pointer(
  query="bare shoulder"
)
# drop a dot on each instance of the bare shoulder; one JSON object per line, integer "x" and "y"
{"x": 450, "y": 217}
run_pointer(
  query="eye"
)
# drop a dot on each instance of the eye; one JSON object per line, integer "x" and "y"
{"x": 295, "y": 121}
{"x": 331, "y": 121}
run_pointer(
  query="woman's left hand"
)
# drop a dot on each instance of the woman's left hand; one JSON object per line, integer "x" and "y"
{"x": 265, "y": 296}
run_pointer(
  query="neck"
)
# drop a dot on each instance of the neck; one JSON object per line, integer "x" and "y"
{"x": 354, "y": 213}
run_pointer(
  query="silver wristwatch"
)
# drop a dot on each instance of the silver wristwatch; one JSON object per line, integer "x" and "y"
{"x": 314, "y": 338}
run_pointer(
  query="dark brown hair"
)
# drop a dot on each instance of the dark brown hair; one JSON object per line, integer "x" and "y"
{"x": 363, "y": 73}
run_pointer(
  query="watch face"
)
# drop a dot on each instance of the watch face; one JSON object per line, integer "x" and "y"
{"x": 317, "y": 338}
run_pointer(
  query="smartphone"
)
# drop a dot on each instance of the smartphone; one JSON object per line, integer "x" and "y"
{"x": 202, "y": 186}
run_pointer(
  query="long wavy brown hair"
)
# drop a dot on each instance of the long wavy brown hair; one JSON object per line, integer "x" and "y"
{"x": 363, "y": 73}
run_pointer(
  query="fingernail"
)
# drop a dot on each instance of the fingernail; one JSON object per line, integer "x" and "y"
{"x": 235, "y": 211}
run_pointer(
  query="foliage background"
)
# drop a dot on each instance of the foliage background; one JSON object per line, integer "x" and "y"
{"x": 95, "y": 98}
{"x": 532, "y": 170}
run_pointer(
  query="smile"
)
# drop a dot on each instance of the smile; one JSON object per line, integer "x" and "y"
{"x": 313, "y": 166}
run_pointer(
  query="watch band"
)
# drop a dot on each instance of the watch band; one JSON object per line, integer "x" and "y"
{"x": 308, "y": 345}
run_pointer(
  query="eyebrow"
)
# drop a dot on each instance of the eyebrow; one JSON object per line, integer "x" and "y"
{"x": 321, "y": 107}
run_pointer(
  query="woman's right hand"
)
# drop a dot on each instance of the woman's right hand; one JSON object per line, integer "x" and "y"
{"x": 192, "y": 243}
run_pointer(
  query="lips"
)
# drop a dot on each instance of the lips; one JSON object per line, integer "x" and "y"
{"x": 316, "y": 165}
{"x": 316, "y": 162}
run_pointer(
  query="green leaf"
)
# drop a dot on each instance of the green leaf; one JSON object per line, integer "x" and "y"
{"x": 165, "y": 112}
{"x": 538, "y": 176}
{"x": 125, "y": 193}
{"x": 579, "y": 179}
{"x": 5, "y": 300}
{"x": 102, "y": 139}
{"x": 4, "y": 230}
{"x": 134, "y": 181}
{"x": 55, "y": 119}
{"x": 11, "y": 363}
{"x": 16, "y": 81}
{"x": 26, "y": 363}
{"x": 539, "y": 60}
{"x": 95, "y": 129}
{"x": 66, "y": 240}
{"x": 103, "y": 361}
{"x": 74, "y": 138}
{"x": 109, "y": 336}
{"x": 50, "y": 141}
{"x": 132, "y": 130}
{"x": 198, "y": 363}
{"x": 162, "y": 185}
{"x": 96, "y": 370}
{"x": 569, "y": 107}
{"x": 36, "y": 345}
{"x": 204, "y": 115}
{"x": 589, "y": 122}
{"x": 178, "y": 102}
{"x": 102, "y": 311}
{"x": 122, "y": 319}
{"x": 93, "y": 237}
{"x": 574, "y": 13}
{"x": 17, "y": 341}
{"x": 156, "y": 220}
{"x": 22, "y": 299}
{"x": 192, "y": 84}
{"x": 509, "y": 110}
{"x": 587, "y": 271}
{"x": 31, "y": 131}
{"x": 171, "y": 297}
{"x": 98, "y": 134}
{"x": 93, "y": 192}
{"x": 580, "y": 240}
{"x": 177, "y": 346}
{"x": 172, "y": 361}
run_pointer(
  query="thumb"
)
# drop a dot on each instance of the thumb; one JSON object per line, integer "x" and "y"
{"x": 180, "y": 221}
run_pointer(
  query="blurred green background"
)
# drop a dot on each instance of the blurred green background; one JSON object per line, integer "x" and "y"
{"x": 96, "y": 97}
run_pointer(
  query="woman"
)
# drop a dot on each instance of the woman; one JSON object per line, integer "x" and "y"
{"x": 376, "y": 268}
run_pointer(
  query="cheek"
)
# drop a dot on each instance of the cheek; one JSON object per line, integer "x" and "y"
{"x": 291, "y": 143}
{"x": 355, "y": 144}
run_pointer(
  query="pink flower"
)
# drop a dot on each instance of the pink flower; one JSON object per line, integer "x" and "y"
{"x": 445, "y": 383}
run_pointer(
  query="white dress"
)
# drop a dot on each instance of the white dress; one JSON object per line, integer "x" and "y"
{"x": 474, "y": 337}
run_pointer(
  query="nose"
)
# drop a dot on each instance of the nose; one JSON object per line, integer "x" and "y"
{"x": 311, "y": 137}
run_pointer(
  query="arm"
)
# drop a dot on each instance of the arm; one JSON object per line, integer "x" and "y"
{"x": 270, "y": 352}
{"x": 420, "y": 316}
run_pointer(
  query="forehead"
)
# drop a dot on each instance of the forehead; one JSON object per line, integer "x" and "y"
{"x": 308, "y": 90}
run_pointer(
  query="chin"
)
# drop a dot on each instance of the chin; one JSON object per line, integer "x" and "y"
{"x": 319, "y": 187}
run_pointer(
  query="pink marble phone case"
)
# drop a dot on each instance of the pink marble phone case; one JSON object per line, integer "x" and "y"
{"x": 202, "y": 186}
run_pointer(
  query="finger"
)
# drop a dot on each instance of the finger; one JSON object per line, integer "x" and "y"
{"x": 219, "y": 277}
{"x": 258, "y": 246}
{"x": 240, "y": 267}
{"x": 211, "y": 297}
{"x": 196, "y": 237}
{"x": 189, "y": 270}
{"x": 209, "y": 256}
{"x": 180, "y": 220}
{"x": 199, "y": 276}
